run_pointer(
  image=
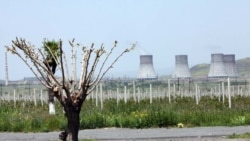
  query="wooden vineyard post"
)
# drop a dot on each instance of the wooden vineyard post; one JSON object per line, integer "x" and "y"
{"x": 223, "y": 92}
{"x": 169, "y": 91}
{"x": 34, "y": 97}
{"x": 150, "y": 93}
{"x": 41, "y": 96}
{"x": 134, "y": 91}
{"x": 229, "y": 93}
{"x": 125, "y": 94}
{"x": 14, "y": 98}
{"x": 196, "y": 94}
{"x": 101, "y": 93}
{"x": 96, "y": 96}
{"x": 139, "y": 94}
{"x": 117, "y": 96}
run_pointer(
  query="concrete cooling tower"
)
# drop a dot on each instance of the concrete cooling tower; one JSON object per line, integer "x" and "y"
{"x": 181, "y": 67}
{"x": 146, "y": 70}
{"x": 217, "y": 67}
{"x": 230, "y": 65}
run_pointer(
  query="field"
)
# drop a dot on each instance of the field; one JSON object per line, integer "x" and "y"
{"x": 121, "y": 107}
{"x": 209, "y": 112}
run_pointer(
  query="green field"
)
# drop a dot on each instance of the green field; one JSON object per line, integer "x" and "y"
{"x": 27, "y": 117}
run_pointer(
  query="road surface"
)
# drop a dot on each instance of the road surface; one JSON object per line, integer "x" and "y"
{"x": 151, "y": 134}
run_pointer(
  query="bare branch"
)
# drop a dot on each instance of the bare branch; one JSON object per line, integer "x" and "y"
{"x": 13, "y": 50}
{"x": 104, "y": 62}
{"x": 39, "y": 65}
{"x": 100, "y": 74}
{"x": 48, "y": 71}
{"x": 66, "y": 66}
{"x": 61, "y": 60}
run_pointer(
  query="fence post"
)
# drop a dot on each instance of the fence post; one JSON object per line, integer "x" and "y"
{"x": 117, "y": 96}
{"x": 134, "y": 91}
{"x": 96, "y": 96}
{"x": 219, "y": 93}
{"x": 196, "y": 94}
{"x": 34, "y": 96}
{"x": 150, "y": 93}
{"x": 101, "y": 92}
{"x": 223, "y": 92}
{"x": 229, "y": 94}
{"x": 139, "y": 94}
{"x": 174, "y": 90}
{"x": 169, "y": 91}
{"x": 15, "y": 98}
{"x": 41, "y": 96}
{"x": 125, "y": 94}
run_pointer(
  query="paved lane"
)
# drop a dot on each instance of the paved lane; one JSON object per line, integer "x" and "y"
{"x": 152, "y": 134}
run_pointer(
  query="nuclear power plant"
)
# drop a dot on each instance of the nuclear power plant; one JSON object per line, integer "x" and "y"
{"x": 146, "y": 70}
{"x": 217, "y": 68}
{"x": 223, "y": 66}
{"x": 181, "y": 67}
{"x": 230, "y": 65}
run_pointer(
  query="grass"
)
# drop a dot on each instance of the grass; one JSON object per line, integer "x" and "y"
{"x": 240, "y": 136}
{"x": 161, "y": 113}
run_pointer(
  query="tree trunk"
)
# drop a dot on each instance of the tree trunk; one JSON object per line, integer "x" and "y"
{"x": 72, "y": 114}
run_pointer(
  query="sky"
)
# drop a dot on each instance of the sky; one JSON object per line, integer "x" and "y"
{"x": 162, "y": 28}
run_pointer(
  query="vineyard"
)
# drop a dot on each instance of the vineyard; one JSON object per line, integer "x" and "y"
{"x": 132, "y": 104}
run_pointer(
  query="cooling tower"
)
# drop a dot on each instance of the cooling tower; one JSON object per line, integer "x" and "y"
{"x": 230, "y": 65}
{"x": 181, "y": 67}
{"x": 146, "y": 70}
{"x": 217, "y": 68}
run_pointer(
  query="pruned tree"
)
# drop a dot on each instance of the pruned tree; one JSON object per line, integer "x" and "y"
{"x": 70, "y": 93}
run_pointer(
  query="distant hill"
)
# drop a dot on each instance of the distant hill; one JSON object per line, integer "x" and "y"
{"x": 200, "y": 70}
{"x": 243, "y": 66}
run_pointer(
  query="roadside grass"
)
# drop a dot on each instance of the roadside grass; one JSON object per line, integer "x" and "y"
{"x": 24, "y": 116}
{"x": 240, "y": 136}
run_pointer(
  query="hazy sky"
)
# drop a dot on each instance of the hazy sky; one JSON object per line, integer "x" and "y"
{"x": 162, "y": 28}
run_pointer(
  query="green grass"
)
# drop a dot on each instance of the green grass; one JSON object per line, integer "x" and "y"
{"x": 240, "y": 136}
{"x": 161, "y": 113}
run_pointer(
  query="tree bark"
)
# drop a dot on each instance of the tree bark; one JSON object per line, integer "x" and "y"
{"x": 73, "y": 118}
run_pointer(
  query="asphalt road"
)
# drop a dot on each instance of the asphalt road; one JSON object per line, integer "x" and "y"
{"x": 152, "y": 134}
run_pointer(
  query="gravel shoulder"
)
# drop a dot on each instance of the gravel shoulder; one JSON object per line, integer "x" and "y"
{"x": 152, "y": 134}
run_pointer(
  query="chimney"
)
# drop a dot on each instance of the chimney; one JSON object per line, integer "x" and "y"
{"x": 146, "y": 70}
{"x": 217, "y": 67}
{"x": 230, "y": 65}
{"x": 181, "y": 67}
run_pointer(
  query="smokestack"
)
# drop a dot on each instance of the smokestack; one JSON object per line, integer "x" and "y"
{"x": 181, "y": 67}
{"x": 230, "y": 65}
{"x": 146, "y": 70}
{"x": 217, "y": 67}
